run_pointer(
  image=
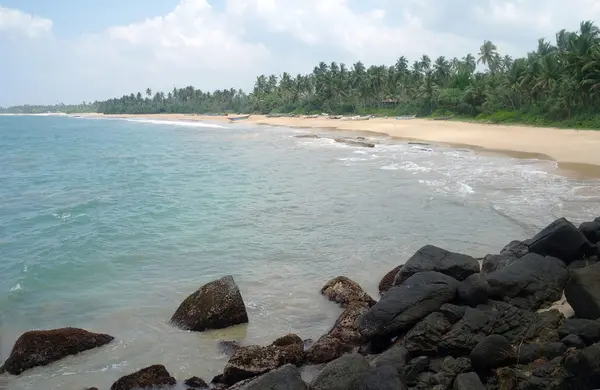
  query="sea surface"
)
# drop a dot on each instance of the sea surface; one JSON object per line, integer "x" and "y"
{"x": 109, "y": 224}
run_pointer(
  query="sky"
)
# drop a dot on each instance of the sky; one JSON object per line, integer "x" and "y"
{"x": 84, "y": 50}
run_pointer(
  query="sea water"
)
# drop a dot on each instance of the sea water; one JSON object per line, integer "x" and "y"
{"x": 109, "y": 224}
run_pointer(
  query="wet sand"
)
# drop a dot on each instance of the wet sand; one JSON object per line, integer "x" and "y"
{"x": 575, "y": 151}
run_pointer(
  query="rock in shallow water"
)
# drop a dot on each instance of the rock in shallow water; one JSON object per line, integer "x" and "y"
{"x": 147, "y": 378}
{"x": 432, "y": 258}
{"x": 42, "y": 347}
{"x": 215, "y": 305}
{"x": 345, "y": 291}
{"x": 388, "y": 280}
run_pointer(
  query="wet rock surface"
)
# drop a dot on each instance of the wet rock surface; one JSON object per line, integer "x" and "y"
{"x": 147, "y": 378}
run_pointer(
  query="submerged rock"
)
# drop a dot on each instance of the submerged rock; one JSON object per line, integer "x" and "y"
{"x": 307, "y": 136}
{"x": 42, "y": 347}
{"x": 432, "y": 258}
{"x": 354, "y": 142}
{"x": 583, "y": 292}
{"x": 147, "y": 378}
{"x": 215, "y": 305}
{"x": 345, "y": 291}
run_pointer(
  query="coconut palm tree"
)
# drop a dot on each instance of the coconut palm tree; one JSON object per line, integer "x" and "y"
{"x": 488, "y": 56}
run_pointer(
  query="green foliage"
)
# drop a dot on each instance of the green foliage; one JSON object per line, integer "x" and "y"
{"x": 57, "y": 108}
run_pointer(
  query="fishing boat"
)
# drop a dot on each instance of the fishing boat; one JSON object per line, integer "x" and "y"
{"x": 405, "y": 117}
{"x": 237, "y": 118}
{"x": 442, "y": 118}
{"x": 310, "y": 116}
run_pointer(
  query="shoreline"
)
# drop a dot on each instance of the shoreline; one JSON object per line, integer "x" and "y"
{"x": 574, "y": 151}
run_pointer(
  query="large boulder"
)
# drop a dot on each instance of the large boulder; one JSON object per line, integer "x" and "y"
{"x": 388, "y": 280}
{"x": 492, "y": 263}
{"x": 343, "y": 373}
{"x": 474, "y": 290}
{"x": 284, "y": 378}
{"x": 591, "y": 231}
{"x": 345, "y": 291}
{"x": 588, "y": 330}
{"x": 515, "y": 249}
{"x": 380, "y": 378}
{"x": 492, "y": 352}
{"x": 42, "y": 347}
{"x": 432, "y": 258}
{"x": 342, "y": 337}
{"x": 196, "y": 383}
{"x": 147, "y": 378}
{"x": 583, "y": 292}
{"x": 560, "y": 239}
{"x": 424, "y": 337}
{"x": 215, "y": 305}
{"x": 254, "y": 360}
{"x": 468, "y": 381}
{"x": 406, "y": 304}
{"x": 529, "y": 283}
{"x": 395, "y": 356}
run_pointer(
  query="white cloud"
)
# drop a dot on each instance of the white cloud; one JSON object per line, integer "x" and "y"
{"x": 15, "y": 21}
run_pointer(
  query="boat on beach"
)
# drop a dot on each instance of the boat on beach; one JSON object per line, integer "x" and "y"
{"x": 442, "y": 118}
{"x": 238, "y": 118}
{"x": 405, "y": 117}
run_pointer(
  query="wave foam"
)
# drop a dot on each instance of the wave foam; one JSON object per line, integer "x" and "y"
{"x": 176, "y": 123}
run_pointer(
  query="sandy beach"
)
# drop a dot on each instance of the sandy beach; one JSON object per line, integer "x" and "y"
{"x": 575, "y": 151}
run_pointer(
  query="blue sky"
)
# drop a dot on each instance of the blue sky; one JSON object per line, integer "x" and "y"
{"x": 74, "y": 50}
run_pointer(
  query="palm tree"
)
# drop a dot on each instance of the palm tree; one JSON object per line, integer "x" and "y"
{"x": 148, "y": 92}
{"x": 488, "y": 56}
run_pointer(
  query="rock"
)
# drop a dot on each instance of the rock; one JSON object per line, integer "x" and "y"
{"x": 254, "y": 360}
{"x": 516, "y": 249}
{"x": 583, "y": 292}
{"x": 474, "y": 290}
{"x": 584, "y": 367}
{"x": 553, "y": 350}
{"x": 432, "y": 258}
{"x": 342, "y": 337}
{"x": 388, "y": 280}
{"x": 410, "y": 373}
{"x": 468, "y": 381}
{"x": 492, "y": 352}
{"x": 395, "y": 356}
{"x": 529, "y": 283}
{"x": 591, "y": 231}
{"x": 573, "y": 341}
{"x": 42, "y": 347}
{"x": 452, "y": 313}
{"x": 345, "y": 292}
{"x": 424, "y": 337}
{"x": 228, "y": 347}
{"x": 380, "y": 378}
{"x": 588, "y": 330}
{"x": 147, "y": 378}
{"x": 215, "y": 305}
{"x": 91, "y": 388}
{"x": 405, "y": 305}
{"x": 307, "y": 136}
{"x": 492, "y": 263}
{"x": 527, "y": 353}
{"x": 353, "y": 142}
{"x": 342, "y": 373}
{"x": 582, "y": 263}
{"x": 284, "y": 378}
{"x": 195, "y": 382}
{"x": 560, "y": 239}
{"x": 448, "y": 369}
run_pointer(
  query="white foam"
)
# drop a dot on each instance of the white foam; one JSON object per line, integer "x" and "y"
{"x": 175, "y": 123}
{"x": 390, "y": 167}
{"x": 16, "y": 287}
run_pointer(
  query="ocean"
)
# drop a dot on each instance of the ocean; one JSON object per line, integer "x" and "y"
{"x": 108, "y": 224}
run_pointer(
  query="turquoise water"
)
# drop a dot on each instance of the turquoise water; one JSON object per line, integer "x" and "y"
{"x": 109, "y": 224}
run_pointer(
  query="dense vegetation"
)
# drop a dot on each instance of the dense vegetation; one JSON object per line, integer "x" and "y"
{"x": 557, "y": 83}
{"x": 42, "y": 109}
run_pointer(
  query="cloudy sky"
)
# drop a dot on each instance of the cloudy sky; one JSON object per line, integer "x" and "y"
{"x": 74, "y": 50}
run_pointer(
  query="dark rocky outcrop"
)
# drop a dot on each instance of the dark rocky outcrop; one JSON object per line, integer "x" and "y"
{"x": 307, "y": 136}
{"x": 345, "y": 291}
{"x": 196, "y": 383}
{"x": 515, "y": 249}
{"x": 424, "y": 337}
{"x": 432, "y": 258}
{"x": 326, "y": 349}
{"x": 468, "y": 381}
{"x": 380, "y": 378}
{"x": 388, "y": 280}
{"x": 492, "y": 263}
{"x": 561, "y": 239}
{"x": 583, "y": 367}
{"x": 406, "y": 304}
{"x": 355, "y": 142}
{"x": 286, "y": 377}
{"x": 147, "y": 378}
{"x": 254, "y": 360}
{"x": 343, "y": 373}
{"x": 591, "y": 231}
{"x": 396, "y": 356}
{"x": 492, "y": 352}
{"x": 529, "y": 283}
{"x": 411, "y": 372}
{"x": 588, "y": 330}
{"x": 42, "y": 347}
{"x": 573, "y": 341}
{"x": 583, "y": 292}
{"x": 474, "y": 290}
{"x": 215, "y": 305}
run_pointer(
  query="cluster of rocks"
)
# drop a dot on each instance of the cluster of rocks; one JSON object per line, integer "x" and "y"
{"x": 356, "y": 141}
{"x": 444, "y": 321}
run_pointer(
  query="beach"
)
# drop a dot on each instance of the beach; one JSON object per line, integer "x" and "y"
{"x": 575, "y": 151}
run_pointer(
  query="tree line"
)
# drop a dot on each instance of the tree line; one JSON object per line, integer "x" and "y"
{"x": 555, "y": 83}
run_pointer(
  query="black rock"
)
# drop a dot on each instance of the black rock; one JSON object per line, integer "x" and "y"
{"x": 588, "y": 330}
{"x": 527, "y": 353}
{"x": 492, "y": 352}
{"x": 492, "y": 263}
{"x": 405, "y": 305}
{"x": 424, "y": 337}
{"x": 561, "y": 239}
{"x": 573, "y": 341}
{"x": 388, "y": 280}
{"x": 583, "y": 292}
{"x": 284, "y": 378}
{"x": 591, "y": 231}
{"x": 342, "y": 373}
{"x": 381, "y": 378}
{"x": 529, "y": 283}
{"x": 396, "y": 356}
{"x": 582, "y": 263}
{"x": 516, "y": 249}
{"x": 553, "y": 350}
{"x": 584, "y": 367}
{"x": 474, "y": 290}
{"x": 149, "y": 377}
{"x": 432, "y": 258}
{"x": 468, "y": 381}
{"x": 452, "y": 313}
{"x": 411, "y": 372}
{"x": 196, "y": 382}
